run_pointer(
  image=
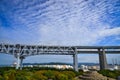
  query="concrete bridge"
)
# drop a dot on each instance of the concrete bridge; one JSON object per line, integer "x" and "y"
{"x": 22, "y": 51}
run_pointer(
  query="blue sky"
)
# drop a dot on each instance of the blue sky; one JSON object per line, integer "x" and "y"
{"x": 60, "y": 22}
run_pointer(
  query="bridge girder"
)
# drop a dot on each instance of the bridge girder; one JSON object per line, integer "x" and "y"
{"x": 30, "y": 50}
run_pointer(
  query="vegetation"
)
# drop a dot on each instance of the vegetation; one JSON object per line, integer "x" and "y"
{"x": 113, "y": 74}
{"x": 37, "y": 74}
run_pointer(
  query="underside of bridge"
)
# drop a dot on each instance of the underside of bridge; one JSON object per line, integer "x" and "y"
{"x": 22, "y": 51}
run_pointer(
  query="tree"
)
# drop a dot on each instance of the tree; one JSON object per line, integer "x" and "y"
{"x": 10, "y": 75}
{"x": 62, "y": 77}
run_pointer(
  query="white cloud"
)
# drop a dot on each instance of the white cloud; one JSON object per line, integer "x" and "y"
{"x": 81, "y": 26}
{"x": 63, "y": 22}
{"x": 109, "y": 32}
{"x": 60, "y": 22}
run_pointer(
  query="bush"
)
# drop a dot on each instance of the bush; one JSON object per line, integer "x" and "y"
{"x": 10, "y": 75}
{"x": 1, "y": 78}
{"x": 69, "y": 74}
{"x": 27, "y": 75}
{"x": 49, "y": 74}
{"x": 108, "y": 73}
{"x": 38, "y": 75}
{"x": 62, "y": 77}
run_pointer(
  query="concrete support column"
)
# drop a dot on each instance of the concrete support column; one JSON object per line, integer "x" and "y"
{"x": 18, "y": 61}
{"x": 75, "y": 61}
{"x": 102, "y": 59}
{"x": 21, "y": 63}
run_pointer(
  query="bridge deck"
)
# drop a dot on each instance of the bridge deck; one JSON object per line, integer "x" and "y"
{"x": 57, "y": 50}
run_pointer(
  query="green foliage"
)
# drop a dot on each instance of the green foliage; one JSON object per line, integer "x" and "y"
{"x": 21, "y": 78}
{"x": 27, "y": 75}
{"x": 69, "y": 74}
{"x": 9, "y": 75}
{"x": 62, "y": 77}
{"x": 3, "y": 69}
{"x": 49, "y": 74}
{"x": 112, "y": 74}
{"x": 37, "y": 74}
{"x": 1, "y": 78}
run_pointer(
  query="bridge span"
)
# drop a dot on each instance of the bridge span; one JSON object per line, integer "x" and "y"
{"x": 21, "y": 51}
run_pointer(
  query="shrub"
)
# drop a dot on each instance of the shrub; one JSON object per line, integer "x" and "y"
{"x": 10, "y": 75}
{"x": 62, "y": 77}
{"x": 108, "y": 73}
{"x": 38, "y": 75}
{"x": 49, "y": 74}
{"x": 27, "y": 75}
{"x": 69, "y": 74}
{"x": 1, "y": 78}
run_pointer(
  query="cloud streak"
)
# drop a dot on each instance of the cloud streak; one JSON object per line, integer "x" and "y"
{"x": 60, "y": 22}
{"x": 74, "y": 22}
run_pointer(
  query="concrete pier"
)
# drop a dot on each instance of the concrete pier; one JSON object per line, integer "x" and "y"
{"x": 18, "y": 61}
{"x": 75, "y": 62}
{"x": 102, "y": 59}
{"x": 21, "y": 62}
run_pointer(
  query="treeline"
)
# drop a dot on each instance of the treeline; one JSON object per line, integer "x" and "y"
{"x": 37, "y": 74}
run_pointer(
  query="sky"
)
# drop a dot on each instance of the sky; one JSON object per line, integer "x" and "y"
{"x": 60, "y": 22}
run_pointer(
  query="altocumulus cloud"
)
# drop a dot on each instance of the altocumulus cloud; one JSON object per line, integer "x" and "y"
{"x": 60, "y": 22}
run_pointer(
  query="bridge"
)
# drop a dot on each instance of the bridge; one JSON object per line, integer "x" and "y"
{"x": 22, "y": 51}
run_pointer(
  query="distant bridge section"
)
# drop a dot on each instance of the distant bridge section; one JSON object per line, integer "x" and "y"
{"x": 21, "y": 51}
{"x": 94, "y": 49}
